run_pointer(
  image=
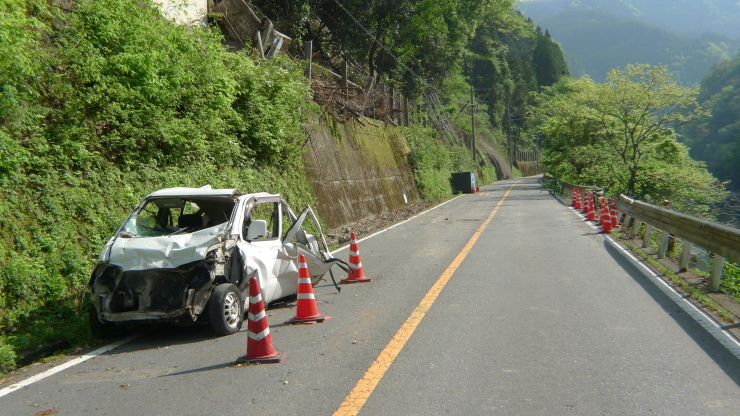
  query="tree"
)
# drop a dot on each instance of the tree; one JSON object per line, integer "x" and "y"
{"x": 411, "y": 42}
{"x": 549, "y": 62}
{"x": 619, "y": 134}
{"x": 715, "y": 139}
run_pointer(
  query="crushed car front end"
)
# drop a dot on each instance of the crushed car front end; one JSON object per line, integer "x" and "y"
{"x": 164, "y": 261}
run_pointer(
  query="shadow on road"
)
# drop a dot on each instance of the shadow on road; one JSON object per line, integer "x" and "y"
{"x": 198, "y": 370}
{"x": 162, "y": 335}
{"x": 724, "y": 358}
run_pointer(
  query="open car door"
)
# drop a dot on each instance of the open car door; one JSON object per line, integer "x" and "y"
{"x": 297, "y": 241}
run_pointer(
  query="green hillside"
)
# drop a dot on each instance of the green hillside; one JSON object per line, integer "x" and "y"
{"x": 715, "y": 138}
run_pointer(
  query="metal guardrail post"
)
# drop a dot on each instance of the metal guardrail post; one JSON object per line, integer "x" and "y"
{"x": 260, "y": 45}
{"x": 344, "y": 81}
{"x": 636, "y": 227}
{"x": 665, "y": 236}
{"x": 718, "y": 264}
{"x": 646, "y": 235}
{"x": 685, "y": 256}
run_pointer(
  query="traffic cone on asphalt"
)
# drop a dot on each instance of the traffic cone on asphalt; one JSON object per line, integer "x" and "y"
{"x": 577, "y": 199}
{"x": 573, "y": 197}
{"x": 603, "y": 211}
{"x": 259, "y": 341}
{"x": 306, "y": 310}
{"x": 355, "y": 262}
{"x": 613, "y": 213}
{"x": 591, "y": 214}
{"x": 586, "y": 198}
{"x": 606, "y": 221}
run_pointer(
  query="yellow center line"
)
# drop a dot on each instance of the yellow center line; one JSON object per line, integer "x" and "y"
{"x": 364, "y": 388}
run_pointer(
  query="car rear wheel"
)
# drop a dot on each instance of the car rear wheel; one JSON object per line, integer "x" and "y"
{"x": 226, "y": 309}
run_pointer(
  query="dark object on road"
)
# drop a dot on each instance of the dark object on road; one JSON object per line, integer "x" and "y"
{"x": 464, "y": 182}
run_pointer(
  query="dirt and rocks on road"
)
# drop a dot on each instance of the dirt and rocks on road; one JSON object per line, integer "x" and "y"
{"x": 367, "y": 226}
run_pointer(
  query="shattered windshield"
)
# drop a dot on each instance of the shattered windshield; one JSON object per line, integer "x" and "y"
{"x": 168, "y": 216}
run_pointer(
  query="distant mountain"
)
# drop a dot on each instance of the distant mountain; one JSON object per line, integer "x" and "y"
{"x": 599, "y": 35}
{"x": 692, "y": 17}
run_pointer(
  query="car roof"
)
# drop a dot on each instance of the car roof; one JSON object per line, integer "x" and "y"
{"x": 205, "y": 191}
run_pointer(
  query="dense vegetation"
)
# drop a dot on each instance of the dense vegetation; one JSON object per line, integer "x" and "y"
{"x": 428, "y": 46}
{"x": 600, "y": 35}
{"x": 619, "y": 135}
{"x": 715, "y": 138}
{"x": 103, "y": 108}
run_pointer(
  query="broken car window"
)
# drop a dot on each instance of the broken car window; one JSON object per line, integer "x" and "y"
{"x": 159, "y": 217}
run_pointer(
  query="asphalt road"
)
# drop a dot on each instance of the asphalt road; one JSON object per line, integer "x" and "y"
{"x": 541, "y": 317}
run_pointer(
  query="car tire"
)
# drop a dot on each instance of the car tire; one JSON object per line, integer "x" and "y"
{"x": 226, "y": 309}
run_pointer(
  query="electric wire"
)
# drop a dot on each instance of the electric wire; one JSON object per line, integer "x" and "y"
{"x": 401, "y": 64}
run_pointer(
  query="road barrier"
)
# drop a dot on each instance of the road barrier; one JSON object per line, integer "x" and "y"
{"x": 721, "y": 240}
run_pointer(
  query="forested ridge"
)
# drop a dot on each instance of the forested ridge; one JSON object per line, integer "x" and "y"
{"x": 715, "y": 137}
{"x": 686, "y": 36}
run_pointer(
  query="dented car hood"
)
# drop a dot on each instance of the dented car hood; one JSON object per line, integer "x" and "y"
{"x": 166, "y": 252}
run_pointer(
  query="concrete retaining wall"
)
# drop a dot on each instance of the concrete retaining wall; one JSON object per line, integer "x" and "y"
{"x": 357, "y": 170}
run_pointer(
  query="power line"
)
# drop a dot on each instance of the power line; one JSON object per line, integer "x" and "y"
{"x": 370, "y": 35}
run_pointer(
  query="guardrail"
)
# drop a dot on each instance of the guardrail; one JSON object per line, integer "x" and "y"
{"x": 720, "y": 240}
{"x": 565, "y": 187}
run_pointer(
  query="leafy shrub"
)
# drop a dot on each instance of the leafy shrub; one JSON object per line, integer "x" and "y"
{"x": 731, "y": 280}
{"x": 103, "y": 109}
{"x": 431, "y": 162}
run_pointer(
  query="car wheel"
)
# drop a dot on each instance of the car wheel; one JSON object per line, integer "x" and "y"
{"x": 226, "y": 309}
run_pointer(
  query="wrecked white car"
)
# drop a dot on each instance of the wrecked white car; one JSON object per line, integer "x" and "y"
{"x": 187, "y": 254}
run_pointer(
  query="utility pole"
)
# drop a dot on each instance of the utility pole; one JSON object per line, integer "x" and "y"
{"x": 472, "y": 120}
{"x": 508, "y": 135}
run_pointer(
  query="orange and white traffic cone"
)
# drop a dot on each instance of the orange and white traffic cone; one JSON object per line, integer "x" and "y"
{"x": 259, "y": 341}
{"x": 606, "y": 221}
{"x": 613, "y": 213}
{"x": 577, "y": 199}
{"x": 586, "y": 198}
{"x": 573, "y": 197}
{"x": 306, "y": 310}
{"x": 355, "y": 262}
{"x": 603, "y": 211}
{"x": 591, "y": 214}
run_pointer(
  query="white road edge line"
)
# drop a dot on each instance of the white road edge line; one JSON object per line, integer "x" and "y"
{"x": 397, "y": 224}
{"x": 27, "y": 382}
{"x": 702, "y": 318}
{"x": 50, "y": 372}
{"x": 705, "y": 320}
